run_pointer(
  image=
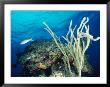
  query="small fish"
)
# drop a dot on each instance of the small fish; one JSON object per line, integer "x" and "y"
{"x": 26, "y": 41}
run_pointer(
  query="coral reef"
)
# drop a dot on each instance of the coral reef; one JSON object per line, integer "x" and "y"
{"x": 56, "y": 58}
{"x": 44, "y": 59}
{"x": 40, "y": 58}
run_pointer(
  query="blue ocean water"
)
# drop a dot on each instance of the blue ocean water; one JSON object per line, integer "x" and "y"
{"x": 29, "y": 24}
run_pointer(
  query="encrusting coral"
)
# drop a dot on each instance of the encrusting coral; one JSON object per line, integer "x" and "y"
{"x": 76, "y": 46}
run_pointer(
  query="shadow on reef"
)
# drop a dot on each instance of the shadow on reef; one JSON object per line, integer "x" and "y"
{"x": 42, "y": 58}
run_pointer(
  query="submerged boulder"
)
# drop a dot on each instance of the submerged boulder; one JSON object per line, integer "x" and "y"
{"x": 44, "y": 59}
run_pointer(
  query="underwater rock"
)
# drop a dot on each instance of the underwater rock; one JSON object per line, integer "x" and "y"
{"x": 44, "y": 59}
{"x": 58, "y": 74}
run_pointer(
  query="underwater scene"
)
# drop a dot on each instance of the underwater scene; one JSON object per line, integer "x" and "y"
{"x": 55, "y": 43}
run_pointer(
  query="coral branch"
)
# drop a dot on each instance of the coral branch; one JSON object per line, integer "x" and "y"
{"x": 76, "y": 46}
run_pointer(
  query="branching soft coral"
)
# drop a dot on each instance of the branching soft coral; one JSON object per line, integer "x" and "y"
{"x": 76, "y": 46}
